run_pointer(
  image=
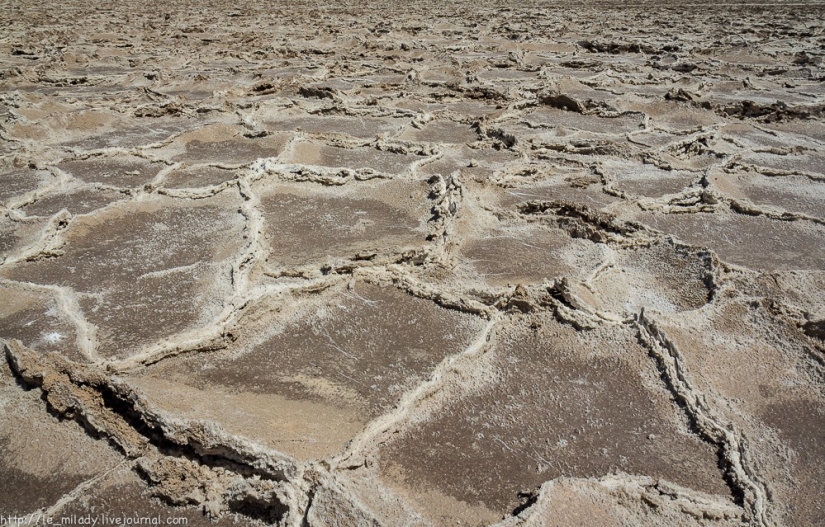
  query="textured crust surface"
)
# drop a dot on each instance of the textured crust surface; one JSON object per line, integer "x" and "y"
{"x": 455, "y": 263}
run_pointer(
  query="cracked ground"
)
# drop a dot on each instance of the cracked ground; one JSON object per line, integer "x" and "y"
{"x": 452, "y": 263}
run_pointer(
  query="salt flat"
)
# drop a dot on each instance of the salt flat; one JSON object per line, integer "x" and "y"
{"x": 456, "y": 263}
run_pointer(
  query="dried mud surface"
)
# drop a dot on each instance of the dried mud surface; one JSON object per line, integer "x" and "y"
{"x": 441, "y": 264}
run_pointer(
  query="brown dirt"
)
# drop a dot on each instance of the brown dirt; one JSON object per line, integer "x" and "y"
{"x": 427, "y": 264}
